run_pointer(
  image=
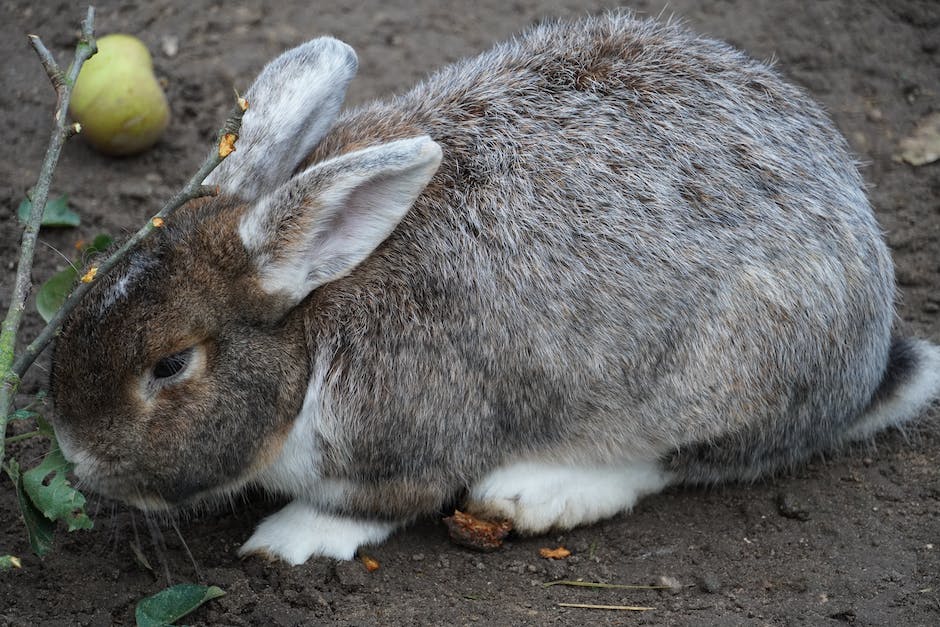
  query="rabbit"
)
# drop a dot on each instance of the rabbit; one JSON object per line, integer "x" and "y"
{"x": 606, "y": 257}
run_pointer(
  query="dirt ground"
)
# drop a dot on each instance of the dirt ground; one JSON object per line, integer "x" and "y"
{"x": 852, "y": 539}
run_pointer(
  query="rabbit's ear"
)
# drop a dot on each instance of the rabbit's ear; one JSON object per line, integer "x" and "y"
{"x": 291, "y": 106}
{"x": 325, "y": 221}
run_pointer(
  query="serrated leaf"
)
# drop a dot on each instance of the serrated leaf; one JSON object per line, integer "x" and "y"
{"x": 50, "y": 491}
{"x": 57, "y": 212}
{"x": 54, "y": 292}
{"x": 38, "y": 528}
{"x": 170, "y": 605}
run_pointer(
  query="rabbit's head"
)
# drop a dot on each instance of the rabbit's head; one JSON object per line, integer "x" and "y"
{"x": 180, "y": 373}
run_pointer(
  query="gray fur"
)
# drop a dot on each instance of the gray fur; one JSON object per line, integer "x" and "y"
{"x": 640, "y": 244}
{"x": 286, "y": 119}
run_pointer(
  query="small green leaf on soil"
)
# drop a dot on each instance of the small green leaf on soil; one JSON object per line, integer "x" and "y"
{"x": 38, "y": 528}
{"x": 170, "y": 605}
{"x": 50, "y": 491}
{"x": 57, "y": 212}
{"x": 54, "y": 292}
{"x": 10, "y": 561}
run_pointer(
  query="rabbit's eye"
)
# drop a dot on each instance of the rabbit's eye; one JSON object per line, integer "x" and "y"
{"x": 172, "y": 365}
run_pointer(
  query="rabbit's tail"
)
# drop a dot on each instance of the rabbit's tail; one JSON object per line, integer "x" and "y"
{"x": 911, "y": 383}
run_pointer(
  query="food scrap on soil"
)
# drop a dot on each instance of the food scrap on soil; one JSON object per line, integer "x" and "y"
{"x": 370, "y": 563}
{"x": 482, "y": 535}
{"x": 554, "y": 554}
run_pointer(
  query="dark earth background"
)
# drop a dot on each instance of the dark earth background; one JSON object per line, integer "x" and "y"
{"x": 852, "y": 539}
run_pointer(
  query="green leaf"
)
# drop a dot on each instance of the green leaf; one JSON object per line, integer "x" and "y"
{"x": 46, "y": 429}
{"x": 50, "y": 491}
{"x": 57, "y": 212}
{"x": 22, "y": 212}
{"x": 10, "y": 561}
{"x": 27, "y": 413}
{"x": 38, "y": 528}
{"x": 170, "y": 605}
{"x": 54, "y": 292}
{"x": 100, "y": 244}
{"x": 22, "y": 414}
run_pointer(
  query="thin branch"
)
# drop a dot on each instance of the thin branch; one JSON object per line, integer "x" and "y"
{"x": 86, "y": 47}
{"x": 592, "y": 584}
{"x": 53, "y": 71}
{"x": 621, "y": 608}
{"x": 23, "y": 436}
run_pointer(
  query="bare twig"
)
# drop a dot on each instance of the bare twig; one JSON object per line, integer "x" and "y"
{"x": 593, "y": 584}
{"x": 621, "y": 608}
{"x": 86, "y": 47}
{"x": 53, "y": 71}
{"x": 23, "y": 436}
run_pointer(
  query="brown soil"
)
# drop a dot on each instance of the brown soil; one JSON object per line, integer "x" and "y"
{"x": 852, "y": 539}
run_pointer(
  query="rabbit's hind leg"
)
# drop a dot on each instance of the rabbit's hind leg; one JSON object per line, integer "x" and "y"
{"x": 539, "y": 496}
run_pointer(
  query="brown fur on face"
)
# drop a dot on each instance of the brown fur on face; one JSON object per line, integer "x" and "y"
{"x": 189, "y": 285}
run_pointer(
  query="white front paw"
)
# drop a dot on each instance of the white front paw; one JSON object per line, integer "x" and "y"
{"x": 300, "y": 531}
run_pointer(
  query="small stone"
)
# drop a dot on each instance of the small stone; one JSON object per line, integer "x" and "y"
{"x": 709, "y": 583}
{"x": 670, "y": 582}
{"x": 351, "y": 575}
{"x": 788, "y": 507}
{"x": 170, "y": 44}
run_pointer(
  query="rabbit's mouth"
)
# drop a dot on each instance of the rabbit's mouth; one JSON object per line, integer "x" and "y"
{"x": 120, "y": 481}
{"x": 111, "y": 480}
{"x": 145, "y": 494}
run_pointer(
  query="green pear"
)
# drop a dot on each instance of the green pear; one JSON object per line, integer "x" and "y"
{"x": 117, "y": 99}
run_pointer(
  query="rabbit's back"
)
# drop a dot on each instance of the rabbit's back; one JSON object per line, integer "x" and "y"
{"x": 638, "y": 240}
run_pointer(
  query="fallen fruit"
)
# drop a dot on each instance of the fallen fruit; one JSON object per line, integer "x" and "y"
{"x": 474, "y": 533}
{"x": 117, "y": 99}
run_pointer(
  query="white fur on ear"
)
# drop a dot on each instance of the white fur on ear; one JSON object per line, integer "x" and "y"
{"x": 325, "y": 221}
{"x": 291, "y": 106}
